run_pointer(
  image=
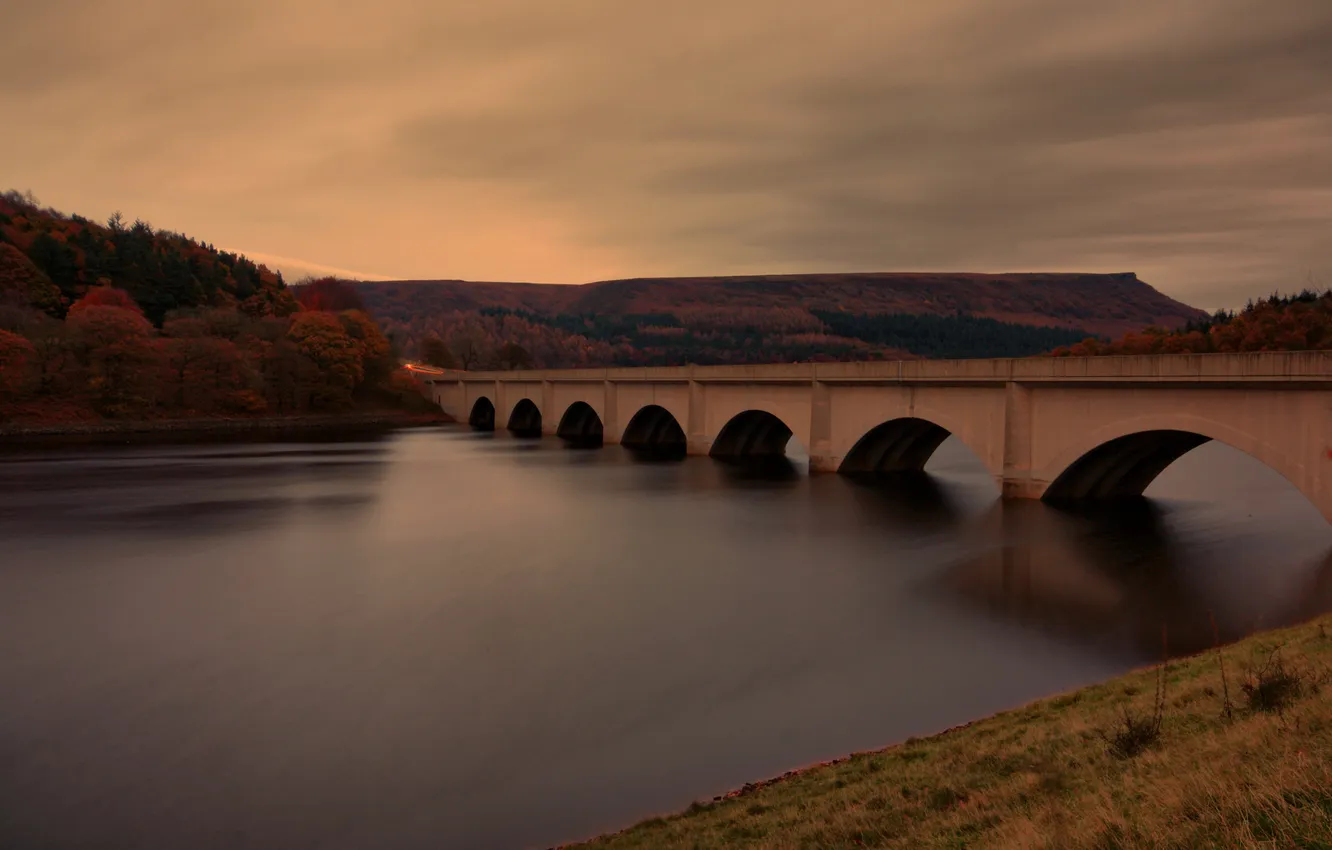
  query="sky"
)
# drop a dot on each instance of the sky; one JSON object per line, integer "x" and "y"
{"x": 1189, "y": 141}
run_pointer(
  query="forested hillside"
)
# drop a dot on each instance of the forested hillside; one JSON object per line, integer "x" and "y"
{"x": 1300, "y": 322}
{"x": 778, "y": 318}
{"x": 121, "y": 321}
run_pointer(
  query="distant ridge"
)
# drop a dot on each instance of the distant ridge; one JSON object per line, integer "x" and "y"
{"x": 767, "y": 318}
{"x": 1102, "y": 304}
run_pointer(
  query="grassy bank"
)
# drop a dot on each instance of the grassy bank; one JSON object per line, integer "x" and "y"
{"x": 1230, "y": 748}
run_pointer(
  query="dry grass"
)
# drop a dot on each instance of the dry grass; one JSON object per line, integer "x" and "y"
{"x": 1044, "y": 776}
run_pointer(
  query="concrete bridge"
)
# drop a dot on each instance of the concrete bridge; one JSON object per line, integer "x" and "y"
{"x": 1061, "y": 429}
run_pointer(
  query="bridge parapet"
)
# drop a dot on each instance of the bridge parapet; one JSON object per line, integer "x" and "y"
{"x": 1249, "y": 366}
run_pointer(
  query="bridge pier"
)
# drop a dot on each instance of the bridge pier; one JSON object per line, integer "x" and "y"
{"x": 1016, "y": 481}
{"x": 697, "y": 439}
{"x": 821, "y": 455}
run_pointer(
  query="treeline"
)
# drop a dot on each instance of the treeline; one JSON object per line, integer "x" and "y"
{"x": 127, "y": 322}
{"x": 506, "y": 338}
{"x": 1301, "y": 322}
{"x": 105, "y": 359}
{"x": 49, "y": 260}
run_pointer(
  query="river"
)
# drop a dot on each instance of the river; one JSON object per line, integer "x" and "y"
{"x": 434, "y": 638}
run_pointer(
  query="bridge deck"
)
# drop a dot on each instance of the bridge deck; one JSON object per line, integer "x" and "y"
{"x": 1250, "y": 367}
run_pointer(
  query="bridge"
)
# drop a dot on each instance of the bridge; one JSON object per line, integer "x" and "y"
{"x": 1063, "y": 429}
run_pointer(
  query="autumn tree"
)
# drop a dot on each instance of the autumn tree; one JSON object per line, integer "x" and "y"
{"x": 23, "y": 282}
{"x": 281, "y": 365}
{"x": 114, "y": 347}
{"x": 207, "y": 375}
{"x": 330, "y": 294}
{"x": 17, "y": 361}
{"x": 57, "y": 259}
{"x": 107, "y": 296}
{"x": 470, "y": 343}
{"x": 324, "y": 342}
{"x": 514, "y": 356}
{"x": 435, "y": 352}
{"x": 377, "y": 361}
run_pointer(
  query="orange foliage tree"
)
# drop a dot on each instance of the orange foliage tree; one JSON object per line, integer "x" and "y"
{"x": 328, "y": 293}
{"x": 106, "y": 296}
{"x": 21, "y": 282}
{"x": 114, "y": 347}
{"x": 17, "y": 357}
{"x": 375, "y": 350}
{"x": 321, "y": 338}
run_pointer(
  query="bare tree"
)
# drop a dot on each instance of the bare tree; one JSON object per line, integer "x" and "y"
{"x": 470, "y": 343}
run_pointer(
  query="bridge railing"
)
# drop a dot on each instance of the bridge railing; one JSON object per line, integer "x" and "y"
{"x": 1242, "y": 367}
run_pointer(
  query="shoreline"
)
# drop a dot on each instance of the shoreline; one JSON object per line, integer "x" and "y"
{"x": 1241, "y": 756}
{"x": 149, "y": 430}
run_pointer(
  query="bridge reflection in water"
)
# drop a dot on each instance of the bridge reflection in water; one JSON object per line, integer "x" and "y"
{"x": 1067, "y": 430}
{"x": 1109, "y": 574}
{"x": 1120, "y": 573}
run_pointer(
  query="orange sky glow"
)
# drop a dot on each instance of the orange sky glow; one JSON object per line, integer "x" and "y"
{"x": 565, "y": 142}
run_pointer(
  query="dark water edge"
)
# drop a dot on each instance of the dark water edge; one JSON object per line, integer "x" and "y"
{"x": 434, "y": 638}
{"x": 177, "y": 431}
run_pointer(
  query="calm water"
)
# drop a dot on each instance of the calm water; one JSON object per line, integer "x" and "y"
{"x": 447, "y": 640}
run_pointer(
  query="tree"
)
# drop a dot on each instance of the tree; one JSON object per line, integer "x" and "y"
{"x": 470, "y": 342}
{"x": 21, "y": 280}
{"x": 17, "y": 362}
{"x": 435, "y": 352}
{"x": 328, "y": 293}
{"x": 106, "y": 296}
{"x": 376, "y": 353}
{"x": 323, "y": 341}
{"x": 115, "y": 348}
{"x": 514, "y": 356}
{"x": 207, "y": 374}
{"x": 58, "y": 260}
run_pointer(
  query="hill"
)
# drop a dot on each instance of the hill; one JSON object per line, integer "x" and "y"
{"x": 131, "y": 323}
{"x": 49, "y": 260}
{"x": 661, "y": 321}
{"x": 1300, "y": 322}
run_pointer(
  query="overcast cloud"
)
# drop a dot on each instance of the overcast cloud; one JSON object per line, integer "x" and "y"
{"x": 1187, "y": 140}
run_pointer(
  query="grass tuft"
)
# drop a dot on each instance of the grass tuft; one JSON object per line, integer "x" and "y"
{"x": 945, "y": 798}
{"x": 1273, "y": 686}
{"x": 1135, "y": 734}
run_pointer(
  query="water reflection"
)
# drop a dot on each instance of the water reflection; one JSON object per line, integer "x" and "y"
{"x": 916, "y": 500}
{"x": 1317, "y": 595}
{"x": 186, "y": 489}
{"x": 761, "y": 471}
{"x": 452, "y": 639}
{"x": 1121, "y": 573}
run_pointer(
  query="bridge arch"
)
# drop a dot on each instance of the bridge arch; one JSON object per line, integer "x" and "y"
{"x": 482, "y": 415}
{"x": 898, "y": 445}
{"x": 752, "y": 433}
{"x": 654, "y": 429}
{"x": 907, "y": 442}
{"x": 525, "y": 420}
{"x": 580, "y": 425}
{"x": 1123, "y": 458}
